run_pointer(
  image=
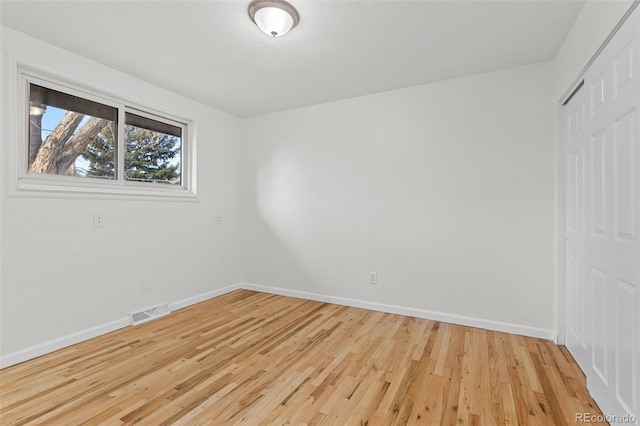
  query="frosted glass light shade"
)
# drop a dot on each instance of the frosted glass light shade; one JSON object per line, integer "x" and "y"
{"x": 274, "y": 17}
{"x": 274, "y": 22}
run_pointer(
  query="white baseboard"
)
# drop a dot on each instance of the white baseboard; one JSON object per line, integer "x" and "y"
{"x": 486, "y": 324}
{"x": 62, "y": 342}
{"x": 202, "y": 297}
{"x": 71, "y": 339}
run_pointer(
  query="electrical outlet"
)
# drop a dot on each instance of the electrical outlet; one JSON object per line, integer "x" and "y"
{"x": 218, "y": 219}
{"x": 98, "y": 220}
{"x": 373, "y": 278}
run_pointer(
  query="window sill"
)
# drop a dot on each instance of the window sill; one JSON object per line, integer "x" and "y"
{"x": 44, "y": 188}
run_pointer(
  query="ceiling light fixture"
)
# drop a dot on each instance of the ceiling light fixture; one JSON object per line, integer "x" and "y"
{"x": 274, "y": 17}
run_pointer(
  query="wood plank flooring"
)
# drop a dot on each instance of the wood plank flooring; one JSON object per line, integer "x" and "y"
{"x": 251, "y": 358}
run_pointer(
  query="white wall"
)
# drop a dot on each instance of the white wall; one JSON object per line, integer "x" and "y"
{"x": 60, "y": 275}
{"x": 445, "y": 190}
{"x": 594, "y": 24}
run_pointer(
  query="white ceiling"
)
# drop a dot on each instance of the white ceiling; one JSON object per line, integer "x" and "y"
{"x": 210, "y": 50}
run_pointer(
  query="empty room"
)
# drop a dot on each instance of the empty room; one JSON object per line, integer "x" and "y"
{"x": 347, "y": 212}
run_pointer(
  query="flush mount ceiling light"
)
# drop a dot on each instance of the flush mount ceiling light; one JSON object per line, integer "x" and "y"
{"x": 274, "y": 17}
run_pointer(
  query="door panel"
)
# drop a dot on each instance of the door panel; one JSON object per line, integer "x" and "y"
{"x": 599, "y": 320}
{"x": 598, "y": 185}
{"x": 602, "y": 215}
{"x": 575, "y": 194}
{"x": 626, "y": 345}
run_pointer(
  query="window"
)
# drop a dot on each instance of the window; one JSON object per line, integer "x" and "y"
{"x": 82, "y": 142}
{"x": 153, "y": 150}
{"x": 71, "y": 136}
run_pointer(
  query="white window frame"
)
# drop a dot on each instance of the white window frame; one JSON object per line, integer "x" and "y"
{"x": 58, "y": 185}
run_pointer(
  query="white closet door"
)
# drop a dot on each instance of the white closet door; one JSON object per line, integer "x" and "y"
{"x": 602, "y": 220}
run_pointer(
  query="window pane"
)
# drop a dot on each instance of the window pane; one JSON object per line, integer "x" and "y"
{"x": 152, "y": 151}
{"x": 69, "y": 135}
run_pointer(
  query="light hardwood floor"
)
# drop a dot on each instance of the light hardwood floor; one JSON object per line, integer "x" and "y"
{"x": 253, "y": 358}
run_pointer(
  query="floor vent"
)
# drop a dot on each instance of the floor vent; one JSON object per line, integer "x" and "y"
{"x": 149, "y": 314}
